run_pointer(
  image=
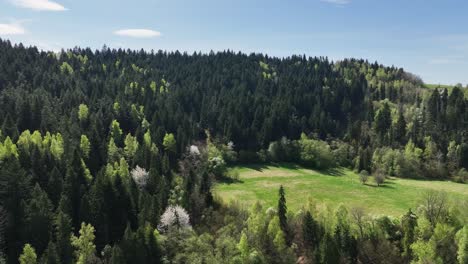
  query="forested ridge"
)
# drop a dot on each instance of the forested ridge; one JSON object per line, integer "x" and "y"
{"x": 110, "y": 155}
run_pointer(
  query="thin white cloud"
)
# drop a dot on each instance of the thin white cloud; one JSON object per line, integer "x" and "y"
{"x": 11, "y": 29}
{"x": 138, "y": 33}
{"x": 444, "y": 60}
{"x": 40, "y": 5}
{"x": 337, "y": 2}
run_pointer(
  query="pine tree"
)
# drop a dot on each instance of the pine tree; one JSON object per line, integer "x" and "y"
{"x": 400, "y": 129}
{"x": 38, "y": 219}
{"x": 63, "y": 230}
{"x": 50, "y": 255}
{"x": 282, "y": 211}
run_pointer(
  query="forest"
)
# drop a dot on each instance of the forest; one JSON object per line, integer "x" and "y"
{"x": 110, "y": 156}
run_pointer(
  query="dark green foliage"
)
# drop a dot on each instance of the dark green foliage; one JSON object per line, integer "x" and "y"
{"x": 38, "y": 215}
{"x": 282, "y": 211}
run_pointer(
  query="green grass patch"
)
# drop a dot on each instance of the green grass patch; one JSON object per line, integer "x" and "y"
{"x": 332, "y": 188}
{"x": 438, "y": 86}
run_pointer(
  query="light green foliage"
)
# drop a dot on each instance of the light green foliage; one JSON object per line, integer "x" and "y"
{"x": 116, "y": 131}
{"x": 315, "y": 153}
{"x": 118, "y": 168}
{"x": 87, "y": 173}
{"x": 440, "y": 248}
{"x": 164, "y": 86}
{"x": 256, "y": 220}
{"x": 84, "y": 244}
{"x": 65, "y": 68}
{"x": 243, "y": 246}
{"x": 176, "y": 195}
{"x": 83, "y": 112}
{"x": 169, "y": 142}
{"x": 264, "y": 66}
{"x": 131, "y": 146}
{"x": 28, "y": 256}
{"x": 85, "y": 146}
{"x": 462, "y": 243}
{"x": 424, "y": 252}
{"x": 385, "y": 160}
{"x": 274, "y": 227}
{"x": 132, "y": 89}
{"x": 280, "y": 241}
{"x": 147, "y": 139}
{"x": 24, "y": 142}
{"x": 113, "y": 152}
{"x": 138, "y": 113}
{"x": 56, "y": 146}
{"x": 145, "y": 124}
{"x": 123, "y": 170}
{"x": 116, "y": 107}
{"x": 137, "y": 69}
{"x": 453, "y": 151}
{"x": 36, "y": 139}
{"x": 153, "y": 86}
{"x": 8, "y": 149}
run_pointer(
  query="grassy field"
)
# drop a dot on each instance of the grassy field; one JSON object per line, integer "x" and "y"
{"x": 395, "y": 197}
{"x": 440, "y": 86}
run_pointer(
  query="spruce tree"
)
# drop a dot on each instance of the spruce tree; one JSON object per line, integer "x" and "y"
{"x": 282, "y": 211}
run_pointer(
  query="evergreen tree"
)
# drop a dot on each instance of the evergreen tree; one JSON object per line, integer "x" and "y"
{"x": 38, "y": 219}
{"x": 282, "y": 211}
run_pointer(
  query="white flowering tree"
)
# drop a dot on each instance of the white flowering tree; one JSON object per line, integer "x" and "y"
{"x": 140, "y": 176}
{"x": 174, "y": 217}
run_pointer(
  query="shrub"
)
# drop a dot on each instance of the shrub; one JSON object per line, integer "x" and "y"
{"x": 363, "y": 176}
{"x": 315, "y": 153}
{"x": 379, "y": 177}
{"x": 461, "y": 176}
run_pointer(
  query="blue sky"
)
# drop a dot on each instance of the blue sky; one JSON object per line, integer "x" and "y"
{"x": 426, "y": 37}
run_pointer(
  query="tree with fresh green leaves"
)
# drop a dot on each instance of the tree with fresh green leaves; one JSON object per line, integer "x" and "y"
{"x": 169, "y": 143}
{"x": 85, "y": 146}
{"x": 131, "y": 146}
{"x": 83, "y": 113}
{"x": 28, "y": 256}
{"x": 85, "y": 250}
{"x": 462, "y": 243}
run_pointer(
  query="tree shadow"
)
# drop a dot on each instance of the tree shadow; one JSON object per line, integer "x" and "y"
{"x": 332, "y": 171}
{"x": 228, "y": 180}
{"x": 256, "y": 166}
{"x": 384, "y": 185}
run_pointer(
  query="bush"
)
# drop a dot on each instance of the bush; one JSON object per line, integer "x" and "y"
{"x": 379, "y": 177}
{"x": 363, "y": 176}
{"x": 315, "y": 153}
{"x": 283, "y": 150}
{"x": 233, "y": 175}
{"x": 461, "y": 176}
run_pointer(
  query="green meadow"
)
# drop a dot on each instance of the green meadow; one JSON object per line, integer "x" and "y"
{"x": 331, "y": 188}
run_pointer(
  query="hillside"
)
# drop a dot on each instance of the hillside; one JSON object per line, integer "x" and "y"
{"x": 111, "y": 156}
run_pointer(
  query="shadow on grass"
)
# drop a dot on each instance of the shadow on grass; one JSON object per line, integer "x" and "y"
{"x": 257, "y": 166}
{"x": 332, "y": 172}
{"x": 292, "y": 166}
{"x": 386, "y": 185}
{"x": 228, "y": 180}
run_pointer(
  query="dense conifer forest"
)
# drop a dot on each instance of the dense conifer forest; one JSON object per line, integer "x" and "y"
{"x": 110, "y": 156}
